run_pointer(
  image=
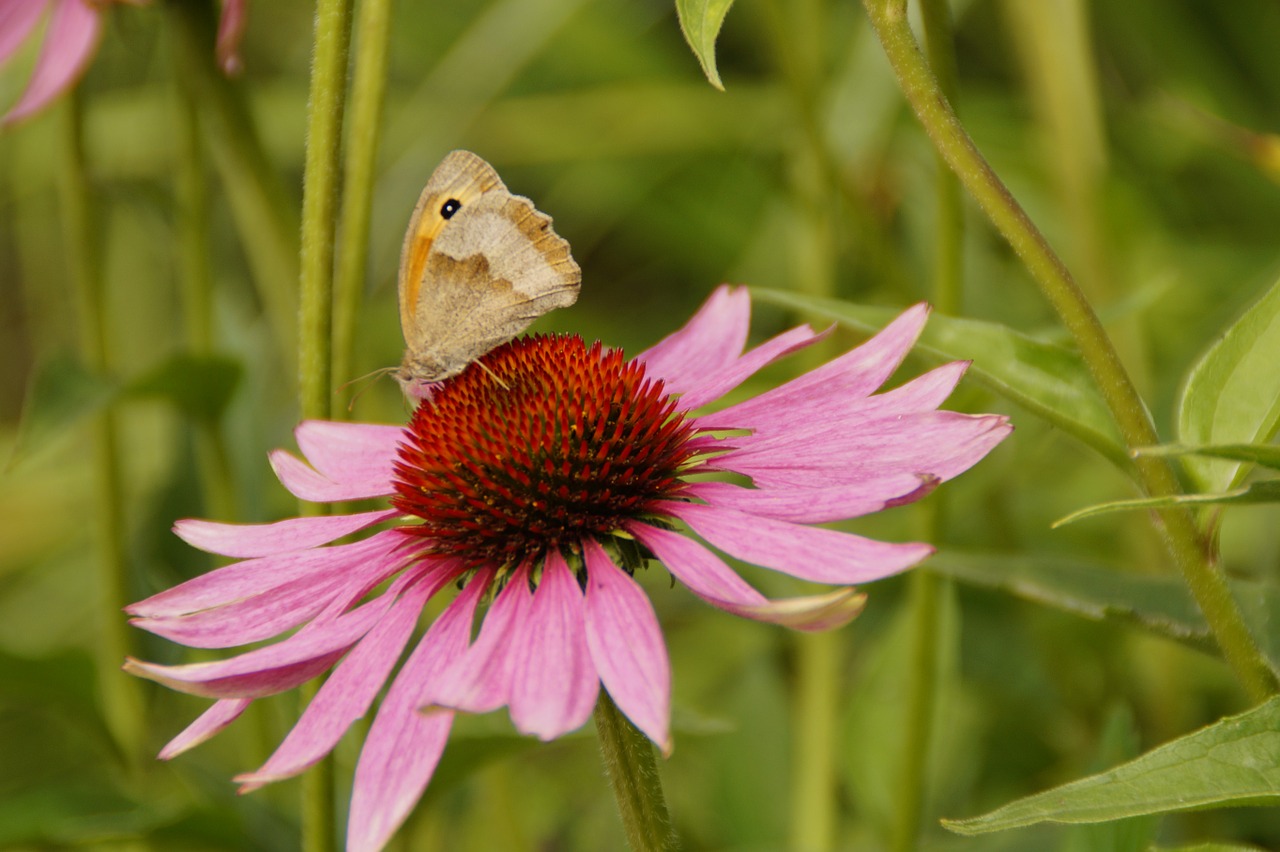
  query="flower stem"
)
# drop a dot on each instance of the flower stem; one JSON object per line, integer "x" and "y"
{"x": 121, "y": 700}
{"x": 368, "y": 89}
{"x": 632, "y": 768}
{"x": 1190, "y": 550}
{"x": 813, "y": 769}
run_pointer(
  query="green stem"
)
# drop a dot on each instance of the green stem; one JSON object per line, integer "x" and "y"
{"x": 122, "y": 702}
{"x": 632, "y": 768}
{"x": 320, "y": 187}
{"x": 813, "y": 769}
{"x": 1192, "y": 553}
{"x": 948, "y": 257}
{"x": 368, "y": 90}
{"x": 264, "y": 216}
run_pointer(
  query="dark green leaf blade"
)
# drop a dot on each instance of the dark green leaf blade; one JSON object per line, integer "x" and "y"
{"x": 1267, "y": 491}
{"x": 1265, "y": 455}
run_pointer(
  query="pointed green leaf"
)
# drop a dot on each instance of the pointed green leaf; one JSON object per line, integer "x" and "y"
{"x": 63, "y": 393}
{"x": 1232, "y": 395}
{"x": 1047, "y": 380}
{"x": 1234, "y": 762}
{"x": 1266, "y": 455}
{"x": 700, "y": 21}
{"x": 1267, "y": 491}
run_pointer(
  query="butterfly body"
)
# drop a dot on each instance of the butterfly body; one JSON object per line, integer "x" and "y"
{"x": 478, "y": 265}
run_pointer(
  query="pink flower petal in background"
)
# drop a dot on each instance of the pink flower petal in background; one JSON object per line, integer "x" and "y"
{"x": 69, "y": 43}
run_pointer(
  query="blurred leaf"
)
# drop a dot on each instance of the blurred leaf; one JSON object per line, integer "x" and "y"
{"x": 63, "y": 393}
{"x": 1234, "y": 762}
{"x": 1267, "y": 491}
{"x": 1048, "y": 380}
{"x": 200, "y": 386}
{"x": 1267, "y": 455}
{"x": 1120, "y": 740}
{"x": 1232, "y": 395}
{"x": 1209, "y": 847}
{"x": 1160, "y": 604}
{"x": 700, "y": 20}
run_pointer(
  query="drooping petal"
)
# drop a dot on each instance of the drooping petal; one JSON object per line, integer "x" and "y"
{"x": 208, "y": 723}
{"x": 480, "y": 679}
{"x": 250, "y": 540}
{"x": 306, "y": 483}
{"x": 711, "y": 341}
{"x": 404, "y": 745}
{"x": 708, "y": 577}
{"x": 816, "y": 505}
{"x": 258, "y": 576}
{"x": 18, "y": 19}
{"x": 74, "y": 29}
{"x": 350, "y": 689}
{"x": 626, "y": 646}
{"x": 267, "y": 681}
{"x": 350, "y": 453}
{"x": 231, "y": 27}
{"x": 810, "y": 553}
{"x": 720, "y": 382}
{"x": 943, "y": 444}
{"x": 554, "y": 684}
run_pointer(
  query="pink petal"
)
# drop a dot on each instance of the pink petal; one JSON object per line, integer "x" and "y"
{"x": 626, "y": 646}
{"x": 711, "y": 341}
{"x": 306, "y": 483}
{"x": 350, "y": 689}
{"x": 252, "y": 577}
{"x": 249, "y": 540}
{"x": 350, "y": 453}
{"x": 702, "y": 571}
{"x": 69, "y": 44}
{"x": 403, "y": 746}
{"x": 943, "y": 444}
{"x": 231, "y": 28}
{"x": 208, "y": 723}
{"x": 18, "y": 19}
{"x": 720, "y": 382}
{"x": 480, "y": 680}
{"x": 833, "y": 407}
{"x": 709, "y": 578}
{"x": 816, "y": 505}
{"x": 264, "y": 682}
{"x": 810, "y": 553}
{"x": 555, "y": 685}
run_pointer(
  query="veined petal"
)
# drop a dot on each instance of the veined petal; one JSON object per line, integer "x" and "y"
{"x": 350, "y": 453}
{"x": 554, "y": 684}
{"x": 251, "y": 577}
{"x": 626, "y": 646}
{"x": 943, "y": 444}
{"x": 706, "y": 574}
{"x": 810, "y": 553}
{"x": 69, "y": 44}
{"x": 306, "y": 483}
{"x": 250, "y": 540}
{"x": 720, "y": 382}
{"x": 208, "y": 723}
{"x": 267, "y": 681}
{"x": 18, "y": 19}
{"x": 709, "y": 342}
{"x": 350, "y": 689}
{"x": 404, "y": 745}
{"x": 816, "y": 505}
{"x": 480, "y": 679}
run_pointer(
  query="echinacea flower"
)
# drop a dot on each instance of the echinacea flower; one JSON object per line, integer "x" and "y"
{"x": 539, "y": 481}
{"x": 71, "y": 39}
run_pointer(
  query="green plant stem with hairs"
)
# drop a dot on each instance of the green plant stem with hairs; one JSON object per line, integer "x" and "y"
{"x": 632, "y": 768}
{"x": 1191, "y": 550}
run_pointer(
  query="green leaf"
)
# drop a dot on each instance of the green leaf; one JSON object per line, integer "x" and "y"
{"x": 1267, "y": 491}
{"x": 700, "y": 21}
{"x": 200, "y": 386}
{"x": 1234, "y": 762}
{"x": 63, "y": 393}
{"x": 1232, "y": 395}
{"x": 1160, "y": 604}
{"x": 1047, "y": 380}
{"x": 1266, "y": 455}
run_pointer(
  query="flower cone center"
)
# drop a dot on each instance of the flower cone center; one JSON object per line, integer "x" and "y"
{"x": 543, "y": 442}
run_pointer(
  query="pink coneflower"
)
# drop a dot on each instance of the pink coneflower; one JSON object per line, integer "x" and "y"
{"x": 539, "y": 483}
{"x": 71, "y": 39}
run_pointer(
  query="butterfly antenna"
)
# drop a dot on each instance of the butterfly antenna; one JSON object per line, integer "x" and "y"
{"x": 375, "y": 375}
{"x": 493, "y": 375}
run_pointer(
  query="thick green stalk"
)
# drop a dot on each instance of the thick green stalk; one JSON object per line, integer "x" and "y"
{"x": 368, "y": 91}
{"x": 320, "y": 188}
{"x": 632, "y": 768}
{"x": 85, "y": 228}
{"x": 1191, "y": 552}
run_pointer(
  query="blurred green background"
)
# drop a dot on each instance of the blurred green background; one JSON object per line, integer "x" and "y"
{"x": 1134, "y": 133}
